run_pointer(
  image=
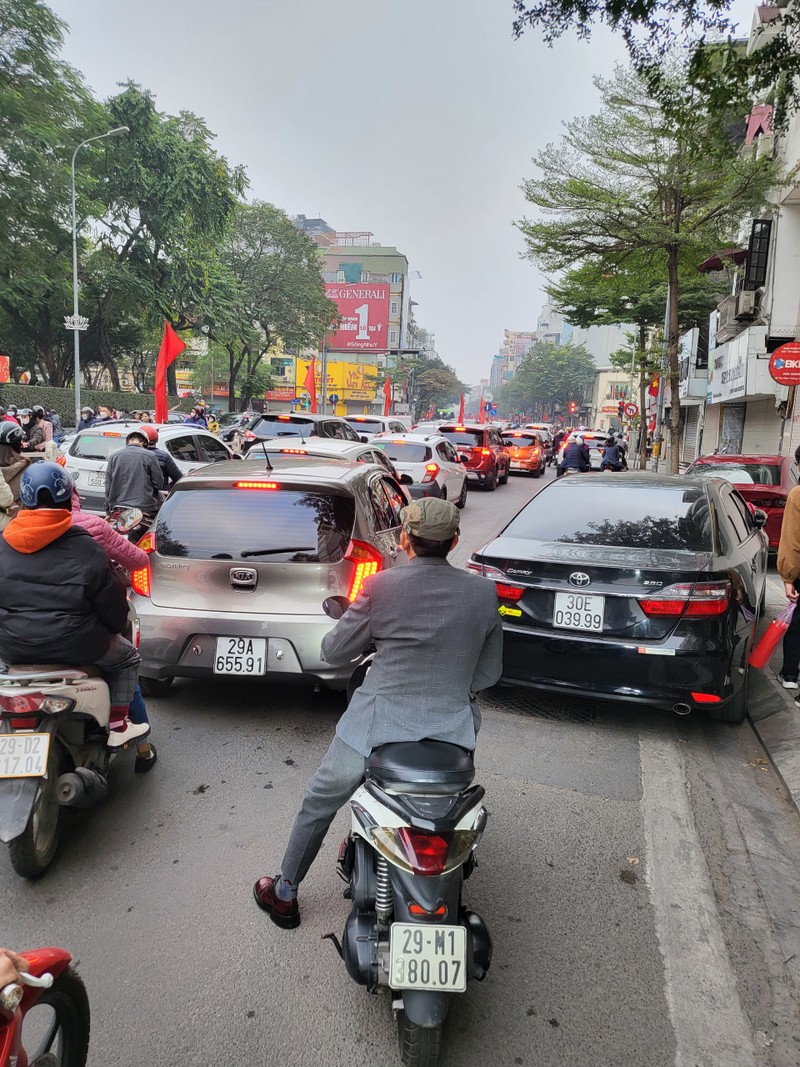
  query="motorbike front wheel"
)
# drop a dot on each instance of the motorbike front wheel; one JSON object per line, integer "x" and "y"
{"x": 420, "y": 1046}
{"x": 34, "y": 850}
{"x": 56, "y": 1030}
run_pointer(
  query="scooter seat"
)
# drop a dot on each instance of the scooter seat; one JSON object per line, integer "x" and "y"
{"x": 426, "y": 766}
{"x": 59, "y": 670}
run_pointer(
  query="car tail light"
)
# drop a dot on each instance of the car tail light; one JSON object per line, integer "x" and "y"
{"x": 431, "y": 470}
{"x": 423, "y": 853}
{"x": 294, "y": 452}
{"x": 255, "y": 485}
{"x": 140, "y": 579}
{"x": 690, "y": 600}
{"x": 367, "y": 560}
{"x": 706, "y": 698}
{"x": 510, "y": 592}
{"x": 284, "y": 418}
{"x": 485, "y": 452}
{"x": 485, "y": 570}
{"x": 536, "y": 451}
{"x": 769, "y": 502}
{"x": 248, "y": 435}
{"x": 61, "y": 460}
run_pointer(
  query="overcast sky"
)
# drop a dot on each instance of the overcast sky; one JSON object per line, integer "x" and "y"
{"x": 415, "y": 119}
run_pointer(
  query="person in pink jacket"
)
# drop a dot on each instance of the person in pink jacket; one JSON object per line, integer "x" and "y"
{"x": 131, "y": 558}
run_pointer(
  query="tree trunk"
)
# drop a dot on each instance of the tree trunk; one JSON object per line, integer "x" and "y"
{"x": 673, "y": 331}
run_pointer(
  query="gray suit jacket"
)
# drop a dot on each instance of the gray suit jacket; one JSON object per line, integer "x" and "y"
{"x": 439, "y": 641}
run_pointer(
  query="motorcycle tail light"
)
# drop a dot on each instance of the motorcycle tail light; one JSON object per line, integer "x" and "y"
{"x": 367, "y": 560}
{"x": 422, "y": 853}
{"x": 24, "y": 704}
{"x": 140, "y": 579}
{"x": 57, "y": 705}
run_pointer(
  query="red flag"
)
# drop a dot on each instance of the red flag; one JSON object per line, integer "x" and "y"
{"x": 653, "y": 389}
{"x": 387, "y": 396}
{"x": 482, "y": 412}
{"x": 171, "y": 347}
{"x": 310, "y": 386}
{"x": 461, "y": 410}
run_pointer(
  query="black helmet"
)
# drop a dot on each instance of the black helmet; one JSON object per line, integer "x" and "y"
{"x": 37, "y": 409}
{"x": 12, "y": 435}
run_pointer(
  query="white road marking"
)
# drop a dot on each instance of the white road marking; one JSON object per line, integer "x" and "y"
{"x": 701, "y": 989}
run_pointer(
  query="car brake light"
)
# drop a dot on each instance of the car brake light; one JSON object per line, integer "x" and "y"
{"x": 140, "y": 579}
{"x": 367, "y": 560}
{"x": 61, "y": 461}
{"x": 535, "y": 451}
{"x": 284, "y": 418}
{"x": 294, "y": 452}
{"x": 431, "y": 470}
{"x": 108, "y": 433}
{"x": 689, "y": 600}
{"x": 248, "y": 435}
{"x": 255, "y": 485}
{"x": 706, "y": 698}
{"x": 485, "y": 451}
{"x": 509, "y": 592}
{"x": 769, "y": 502}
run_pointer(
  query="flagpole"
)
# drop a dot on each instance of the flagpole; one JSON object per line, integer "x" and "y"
{"x": 324, "y": 374}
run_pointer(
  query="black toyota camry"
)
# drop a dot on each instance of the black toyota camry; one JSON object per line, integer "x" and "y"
{"x": 634, "y": 587}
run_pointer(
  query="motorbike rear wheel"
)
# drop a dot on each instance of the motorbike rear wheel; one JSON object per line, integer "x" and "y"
{"x": 420, "y": 1046}
{"x": 60, "y": 1034}
{"x": 34, "y": 850}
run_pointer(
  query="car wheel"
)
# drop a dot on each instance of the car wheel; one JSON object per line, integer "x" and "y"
{"x": 155, "y": 687}
{"x": 443, "y": 494}
{"x": 462, "y": 500}
{"x": 735, "y": 710}
{"x": 490, "y": 484}
{"x": 504, "y": 479}
{"x": 537, "y": 473}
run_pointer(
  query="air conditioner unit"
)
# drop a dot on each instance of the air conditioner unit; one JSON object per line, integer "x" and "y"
{"x": 747, "y": 303}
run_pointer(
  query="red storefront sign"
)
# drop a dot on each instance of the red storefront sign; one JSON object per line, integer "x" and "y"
{"x": 364, "y": 311}
{"x": 282, "y": 393}
{"x": 784, "y": 364}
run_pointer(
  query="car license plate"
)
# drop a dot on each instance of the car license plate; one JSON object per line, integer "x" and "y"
{"x": 23, "y": 755}
{"x": 241, "y": 655}
{"x": 579, "y": 611}
{"x": 516, "y": 463}
{"x": 428, "y": 957}
{"x": 97, "y": 478}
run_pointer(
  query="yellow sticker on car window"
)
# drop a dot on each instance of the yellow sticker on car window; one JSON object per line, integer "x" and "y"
{"x": 510, "y": 611}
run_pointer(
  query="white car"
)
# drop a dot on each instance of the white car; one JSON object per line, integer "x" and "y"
{"x": 369, "y": 425}
{"x": 281, "y": 453}
{"x": 432, "y": 462}
{"x": 87, "y": 454}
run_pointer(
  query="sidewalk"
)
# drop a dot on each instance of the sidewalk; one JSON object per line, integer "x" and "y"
{"x": 773, "y": 713}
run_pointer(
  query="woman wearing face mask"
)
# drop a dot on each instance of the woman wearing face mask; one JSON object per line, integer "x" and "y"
{"x": 34, "y": 433}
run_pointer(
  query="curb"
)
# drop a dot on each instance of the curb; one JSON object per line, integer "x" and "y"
{"x": 775, "y": 718}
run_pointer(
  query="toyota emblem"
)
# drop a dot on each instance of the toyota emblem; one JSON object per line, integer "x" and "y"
{"x": 579, "y": 578}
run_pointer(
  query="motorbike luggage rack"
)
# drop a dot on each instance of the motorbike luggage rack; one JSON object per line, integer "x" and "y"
{"x": 70, "y": 674}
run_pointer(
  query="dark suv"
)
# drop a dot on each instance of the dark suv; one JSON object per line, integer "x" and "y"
{"x": 269, "y": 426}
{"x": 487, "y": 458}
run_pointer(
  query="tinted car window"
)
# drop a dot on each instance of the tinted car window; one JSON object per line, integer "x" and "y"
{"x": 470, "y": 438}
{"x": 214, "y": 450}
{"x": 744, "y": 473}
{"x": 385, "y": 518}
{"x": 184, "y": 448}
{"x": 520, "y": 440}
{"x": 367, "y": 425}
{"x": 396, "y": 500}
{"x": 264, "y": 525}
{"x": 404, "y": 451}
{"x": 96, "y": 445}
{"x": 272, "y": 425}
{"x": 622, "y": 516}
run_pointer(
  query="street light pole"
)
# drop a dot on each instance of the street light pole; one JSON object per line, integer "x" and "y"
{"x": 76, "y": 322}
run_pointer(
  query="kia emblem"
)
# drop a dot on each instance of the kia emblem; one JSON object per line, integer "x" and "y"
{"x": 579, "y": 578}
{"x": 243, "y": 578}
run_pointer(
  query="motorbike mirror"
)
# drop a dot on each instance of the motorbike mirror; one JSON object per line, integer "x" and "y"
{"x": 127, "y": 520}
{"x": 335, "y": 606}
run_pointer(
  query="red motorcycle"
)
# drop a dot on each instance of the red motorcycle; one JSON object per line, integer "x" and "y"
{"x": 44, "y": 1020}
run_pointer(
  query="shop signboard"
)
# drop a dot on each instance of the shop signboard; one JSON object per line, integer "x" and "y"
{"x": 351, "y": 381}
{"x": 283, "y": 392}
{"x": 364, "y": 317}
{"x": 727, "y": 379}
{"x": 784, "y": 364}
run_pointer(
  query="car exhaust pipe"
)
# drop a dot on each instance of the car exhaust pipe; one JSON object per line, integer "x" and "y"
{"x": 81, "y": 788}
{"x": 681, "y": 709}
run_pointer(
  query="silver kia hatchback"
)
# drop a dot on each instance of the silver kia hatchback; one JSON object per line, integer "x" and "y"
{"x": 241, "y": 559}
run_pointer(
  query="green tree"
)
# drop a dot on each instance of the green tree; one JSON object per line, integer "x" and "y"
{"x": 630, "y": 185}
{"x": 550, "y": 375}
{"x": 436, "y": 384}
{"x": 269, "y": 289}
{"x": 719, "y": 68}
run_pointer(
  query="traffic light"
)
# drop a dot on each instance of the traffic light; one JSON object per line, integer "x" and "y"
{"x": 573, "y": 407}
{"x": 621, "y": 408}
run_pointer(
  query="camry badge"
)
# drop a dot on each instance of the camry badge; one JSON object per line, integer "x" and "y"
{"x": 579, "y": 578}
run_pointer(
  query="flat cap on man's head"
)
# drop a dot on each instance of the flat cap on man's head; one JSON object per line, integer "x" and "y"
{"x": 433, "y": 519}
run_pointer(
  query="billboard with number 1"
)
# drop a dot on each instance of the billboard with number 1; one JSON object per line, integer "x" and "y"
{"x": 364, "y": 311}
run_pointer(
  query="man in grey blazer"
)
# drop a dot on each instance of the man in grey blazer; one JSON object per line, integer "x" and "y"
{"x": 439, "y": 642}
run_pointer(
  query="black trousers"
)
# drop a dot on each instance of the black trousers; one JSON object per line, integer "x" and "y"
{"x": 791, "y": 644}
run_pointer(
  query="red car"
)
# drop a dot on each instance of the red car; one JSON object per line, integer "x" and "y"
{"x": 764, "y": 482}
{"x": 481, "y": 450}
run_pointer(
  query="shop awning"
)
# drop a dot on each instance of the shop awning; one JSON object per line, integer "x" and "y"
{"x": 723, "y": 259}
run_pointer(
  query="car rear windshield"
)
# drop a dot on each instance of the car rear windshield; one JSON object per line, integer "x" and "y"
{"x": 263, "y": 525}
{"x": 466, "y": 438}
{"x": 743, "y": 473}
{"x": 97, "y": 445}
{"x": 619, "y": 516}
{"x": 367, "y": 425}
{"x": 520, "y": 440}
{"x": 404, "y": 451}
{"x": 278, "y": 427}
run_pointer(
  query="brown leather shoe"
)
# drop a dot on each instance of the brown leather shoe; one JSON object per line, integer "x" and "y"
{"x": 285, "y": 913}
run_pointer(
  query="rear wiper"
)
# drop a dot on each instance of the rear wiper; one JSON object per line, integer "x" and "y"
{"x": 276, "y": 551}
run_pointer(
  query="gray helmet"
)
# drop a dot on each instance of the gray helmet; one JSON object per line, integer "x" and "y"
{"x": 37, "y": 409}
{"x": 12, "y": 435}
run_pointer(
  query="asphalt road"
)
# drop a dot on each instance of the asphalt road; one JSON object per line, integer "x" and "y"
{"x": 638, "y": 875}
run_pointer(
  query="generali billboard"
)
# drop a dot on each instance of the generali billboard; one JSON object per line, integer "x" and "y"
{"x": 364, "y": 311}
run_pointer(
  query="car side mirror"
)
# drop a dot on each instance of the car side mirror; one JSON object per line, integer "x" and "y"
{"x": 464, "y": 459}
{"x": 335, "y": 606}
{"x": 760, "y": 518}
{"x": 364, "y": 439}
{"x": 406, "y": 479}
